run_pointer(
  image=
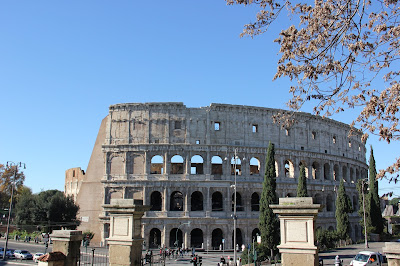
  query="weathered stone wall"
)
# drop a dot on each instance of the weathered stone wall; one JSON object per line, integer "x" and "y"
{"x": 180, "y": 160}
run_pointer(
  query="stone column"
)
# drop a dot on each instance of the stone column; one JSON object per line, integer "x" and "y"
{"x": 125, "y": 239}
{"x": 67, "y": 242}
{"x": 297, "y": 217}
{"x": 392, "y": 251}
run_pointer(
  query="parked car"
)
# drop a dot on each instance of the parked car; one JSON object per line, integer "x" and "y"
{"x": 9, "y": 253}
{"x": 369, "y": 258}
{"x": 22, "y": 254}
{"x": 36, "y": 256}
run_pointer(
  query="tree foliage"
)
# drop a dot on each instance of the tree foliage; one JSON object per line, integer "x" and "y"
{"x": 269, "y": 224}
{"x": 6, "y": 181}
{"x": 302, "y": 185}
{"x": 48, "y": 210}
{"x": 342, "y": 54}
{"x": 343, "y": 208}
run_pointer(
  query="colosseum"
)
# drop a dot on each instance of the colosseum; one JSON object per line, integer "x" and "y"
{"x": 181, "y": 161}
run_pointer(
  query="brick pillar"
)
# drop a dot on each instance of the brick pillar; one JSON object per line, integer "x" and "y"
{"x": 68, "y": 242}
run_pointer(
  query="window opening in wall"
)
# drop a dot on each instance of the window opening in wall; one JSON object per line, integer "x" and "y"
{"x": 217, "y": 126}
{"x": 176, "y": 201}
{"x": 177, "y": 124}
{"x": 344, "y": 173}
{"x": 156, "y": 201}
{"x": 326, "y": 171}
{"x": 155, "y": 238}
{"x": 255, "y": 128}
{"x": 173, "y": 241}
{"x": 351, "y": 175}
{"x": 197, "y": 141}
{"x": 216, "y": 167}
{"x": 239, "y": 206}
{"x": 196, "y": 238}
{"x": 196, "y": 201}
{"x": 336, "y": 172}
{"x": 349, "y": 144}
{"x": 305, "y": 168}
{"x": 73, "y": 173}
{"x": 238, "y": 166}
{"x": 156, "y": 166}
{"x": 329, "y": 203}
{"x": 315, "y": 170}
{"x": 334, "y": 139}
{"x": 359, "y": 148}
{"x": 314, "y": 135}
{"x": 302, "y": 148}
{"x": 326, "y": 151}
{"x": 255, "y": 202}
{"x": 217, "y": 202}
{"x": 176, "y": 165}
{"x": 254, "y": 166}
{"x": 156, "y": 141}
{"x": 287, "y": 132}
{"x": 196, "y": 165}
{"x": 289, "y": 171}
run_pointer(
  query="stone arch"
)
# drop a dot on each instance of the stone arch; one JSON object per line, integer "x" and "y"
{"x": 216, "y": 166}
{"x": 155, "y": 238}
{"x": 196, "y": 238}
{"x": 255, "y": 202}
{"x": 254, "y": 166}
{"x": 239, "y": 204}
{"x": 196, "y": 201}
{"x": 238, "y": 166}
{"x": 176, "y": 165}
{"x": 157, "y": 165}
{"x": 336, "y": 172}
{"x": 216, "y": 238}
{"x": 327, "y": 171}
{"x": 289, "y": 169}
{"x": 344, "y": 173}
{"x": 239, "y": 238}
{"x": 315, "y": 170}
{"x": 256, "y": 232}
{"x": 357, "y": 174}
{"x": 156, "y": 201}
{"x": 175, "y": 238}
{"x": 277, "y": 168}
{"x": 318, "y": 199}
{"x": 117, "y": 165}
{"x": 305, "y": 167}
{"x": 176, "y": 201}
{"x": 329, "y": 203}
{"x": 351, "y": 174}
{"x": 196, "y": 165}
{"x": 355, "y": 203}
{"x": 217, "y": 202}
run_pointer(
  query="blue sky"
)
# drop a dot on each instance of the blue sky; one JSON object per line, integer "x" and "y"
{"x": 63, "y": 63}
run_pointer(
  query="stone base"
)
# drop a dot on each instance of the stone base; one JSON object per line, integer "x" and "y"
{"x": 298, "y": 259}
{"x": 125, "y": 254}
{"x": 392, "y": 251}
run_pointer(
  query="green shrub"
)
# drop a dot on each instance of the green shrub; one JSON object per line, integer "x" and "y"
{"x": 326, "y": 239}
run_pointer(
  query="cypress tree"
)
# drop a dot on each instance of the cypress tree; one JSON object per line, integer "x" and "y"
{"x": 343, "y": 207}
{"x": 269, "y": 224}
{"x": 373, "y": 208}
{"x": 302, "y": 185}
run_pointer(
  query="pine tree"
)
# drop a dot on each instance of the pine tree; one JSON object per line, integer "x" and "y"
{"x": 343, "y": 208}
{"x": 269, "y": 224}
{"x": 373, "y": 208}
{"x": 302, "y": 185}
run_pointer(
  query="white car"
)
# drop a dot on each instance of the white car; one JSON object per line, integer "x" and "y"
{"x": 36, "y": 256}
{"x": 23, "y": 255}
{"x": 369, "y": 258}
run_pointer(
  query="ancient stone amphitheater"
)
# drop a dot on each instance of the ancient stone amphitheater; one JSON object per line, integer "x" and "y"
{"x": 181, "y": 161}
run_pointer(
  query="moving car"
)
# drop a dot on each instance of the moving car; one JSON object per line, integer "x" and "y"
{"x": 369, "y": 258}
{"x": 36, "y": 256}
{"x": 22, "y": 254}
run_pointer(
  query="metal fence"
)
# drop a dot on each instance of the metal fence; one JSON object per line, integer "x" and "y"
{"x": 93, "y": 257}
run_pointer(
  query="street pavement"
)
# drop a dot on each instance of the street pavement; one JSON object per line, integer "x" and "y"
{"x": 213, "y": 258}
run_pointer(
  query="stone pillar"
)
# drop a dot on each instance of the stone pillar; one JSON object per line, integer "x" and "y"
{"x": 392, "y": 251}
{"x": 67, "y": 242}
{"x": 125, "y": 241}
{"x": 297, "y": 218}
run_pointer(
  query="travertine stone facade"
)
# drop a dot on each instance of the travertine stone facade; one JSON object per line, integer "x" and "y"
{"x": 181, "y": 161}
{"x": 73, "y": 181}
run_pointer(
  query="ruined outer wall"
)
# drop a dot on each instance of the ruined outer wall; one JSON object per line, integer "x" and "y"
{"x": 73, "y": 181}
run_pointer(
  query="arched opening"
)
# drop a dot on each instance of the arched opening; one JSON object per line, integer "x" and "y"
{"x": 217, "y": 202}
{"x": 216, "y": 166}
{"x": 329, "y": 203}
{"x": 344, "y": 174}
{"x": 196, "y": 165}
{"x": 216, "y": 239}
{"x": 276, "y": 169}
{"x": 239, "y": 239}
{"x": 155, "y": 201}
{"x": 157, "y": 165}
{"x": 256, "y": 232}
{"x": 239, "y": 206}
{"x": 196, "y": 201}
{"x": 196, "y": 238}
{"x": 317, "y": 198}
{"x": 327, "y": 171}
{"x": 254, "y": 166}
{"x": 176, "y": 203}
{"x": 315, "y": 170}
{"x": 117, "y": 166}
{"x": 155, "y": 238}
{"x": 357, "y": 174}
{"x": 238, "y": 166}
{"x": 289, "y": 170}
{"x": 351, "y": 174}
{"x": 336, "y": 172}
{"x": 355, "y": 203}
{"x": 255, "y": 202}
{"x": 305, "y": 167}
{"x": 175, "y": 238}
{"x": 176, "y": 165}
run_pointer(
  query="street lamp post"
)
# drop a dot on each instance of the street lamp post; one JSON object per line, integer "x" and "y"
{"x": 177, "y": 230}
{"x": 15, "y": 166}
{"x": 365, "y": 223}
{"x": 234, "y": 212}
